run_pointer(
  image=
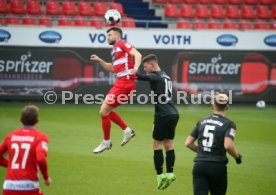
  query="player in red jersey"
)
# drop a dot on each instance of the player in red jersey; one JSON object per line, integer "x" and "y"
{"x": 124, "y": 68}
{"x": 27, "y": 149}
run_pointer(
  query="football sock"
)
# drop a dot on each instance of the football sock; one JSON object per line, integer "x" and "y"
{"x": 158, "y": 161}
{"x": 117, "y": 119}
{"x": 170, "y": 158}
{"x": 106, "y": 125}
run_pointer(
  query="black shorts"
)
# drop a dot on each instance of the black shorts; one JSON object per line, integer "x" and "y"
{"x": 164, "y": 127}
{"x": 209, "y": 177}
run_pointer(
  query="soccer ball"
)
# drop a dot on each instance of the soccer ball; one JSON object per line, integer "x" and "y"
{"x": 260, "y": 104}
{"x": 112, "y": 17}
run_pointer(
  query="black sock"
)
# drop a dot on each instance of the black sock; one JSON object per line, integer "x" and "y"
{"x": 170, "y": 158}
{"x": 158, "y": 161}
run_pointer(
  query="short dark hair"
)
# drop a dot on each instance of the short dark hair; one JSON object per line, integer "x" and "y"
{"x": 150, "y": 57}
{"x": 29, "y": 115}
{"x": 116, "y": 29}
{"x": 221, "y": 101}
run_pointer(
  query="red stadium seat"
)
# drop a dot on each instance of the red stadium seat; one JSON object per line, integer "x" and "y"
{"x": 236, "y": 1}
{"x": 161, "y": 1}
{"x": 248, "y": 11}
{"x": 267, "y": 2}
{"x": 100, "y": 8}
{"x": 186, "y": 10}
{"x": 176, "y": 1}
{"x": 183, "y": 23}
{"x": 64, "y": 20}
{"x": 245, "y": 24}
{"x": 205, "y": 1}
{"x": 263, "y": 11}
{"x": 69, "y": 8}
{"x": 221, "y": 1}
{"x": 260, "y": 24}
{"x": 190, "y": 1}
{"x": 232, "y": 11}
{"x": 28, "y": 20}
{"x": 118, "y": 7}
{"x": 12, "y": 19}
{"x": 4, "y": 8}
{"x": 52, "y": 7}
{"x": 199, "y": 23}
{"x": 214, "y": 24}
{"x": 171, "y": 10}
{"x": 128, "y": 22}
{"x": 17, "y": 6}
{"x": 97, "y": 22}
{"x": 85, "y": 8}
{"x": 45, "y": 20}
{"x": 217, "y": 11}
{"x": 253, "y": 2}
{"x": 202, "y": 11}
{"x": 229, "y": 24}
{"x": 1, "y": 21}
{"x": 274, "y": 11}
{"x": 81, "y": 21}
{"x": 33, "y": 7}
{"x": 272, "y": 25}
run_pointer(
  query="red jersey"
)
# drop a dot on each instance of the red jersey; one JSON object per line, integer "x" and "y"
{"x": 27, "y": 149}
{"x": 121, "y": 59}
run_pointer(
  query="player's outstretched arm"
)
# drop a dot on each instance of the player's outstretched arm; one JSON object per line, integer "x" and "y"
{"x": 230, "y": 148}
{"x": 107, "y": 66}
{"x": 190, "y": 143}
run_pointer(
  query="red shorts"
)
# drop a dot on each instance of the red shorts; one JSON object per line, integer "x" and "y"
{"x": 31, "y": 192}
{"x": 120, "y": 92}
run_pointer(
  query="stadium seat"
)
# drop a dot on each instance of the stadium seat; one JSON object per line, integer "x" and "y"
{"x": 161, "y": 1}
{"x": 100, "y": 8}
{"x": 274, "y": 11}
{"x": 199, "y": 24}
{"x": 260, "y": 24}
{"x": 12, "y": 19}
{"x": 221, "y": 1}
{"x": 81, "y": 21}
{"x": 28, "y": 20}
{"x": 69, "y": 8}
{"x": 190, "y": 1}
{"x": 205, "y": 1}
{"x": 118, "y": 7}
{"x": 171, "y": 10}
{"x": 53, "y": 7}
{"x": 229, "y": 24}
{"x": 17, "y": 6}
{"x": 253, "y": 2}
{"x": 45, "y": 20}
{"x": 184, "y": 23}
{"x": 128, "y": 22}
{"x": 33, "y": 7}
{"x": 217, "y": 11}
{"x": 248, "y": 11}
{"x": 245, "y": 24}
{"x": 272, "y": 24}
{"x": 85, "y": 8}
{"x": 176, "y": 1}
{"x": 267, "y": 2}
{"x": 1, "y": 21}
{"x": 64, "y": 20}
{"x": 202, "y": 11}
{"x": 214, "y": 24}
{"x": 232, "y": 11}
{"x": 263, "y": 11}
{"x": 186, "y": 10}
{"x": 4, "y": 8}
{"x": 236, "y": 1}
{"x": 97, "y": 22}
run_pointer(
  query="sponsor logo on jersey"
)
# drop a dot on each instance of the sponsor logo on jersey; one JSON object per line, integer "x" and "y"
{"x": 4, "y": 35}
{"x": 45, "y": 145}
{"x": 227, "y": 40}
{"x": 233, "y": 132}
{"x": 50, "y": 37}
{"x": 270, "y": 40}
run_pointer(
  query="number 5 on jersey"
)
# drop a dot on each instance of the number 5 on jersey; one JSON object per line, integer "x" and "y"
{"x": 208, "y": 133}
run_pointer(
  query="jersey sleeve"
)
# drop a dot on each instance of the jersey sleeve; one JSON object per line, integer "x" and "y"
{"x": 147, "y": 77}
{"x": 195, "y": 131}
{"x": 3, "y": 150}
{"x": 126, "y": 46}
{"x": 231, "y": 131}
{"x": 41, "y": 153}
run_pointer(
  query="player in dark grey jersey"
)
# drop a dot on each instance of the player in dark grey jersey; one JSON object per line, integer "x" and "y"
{"x": 165, "y": 119}
{"x": 215, "y": 135}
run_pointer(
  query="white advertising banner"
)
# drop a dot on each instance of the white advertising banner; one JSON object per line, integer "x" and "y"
{"x": 141, "y": 38}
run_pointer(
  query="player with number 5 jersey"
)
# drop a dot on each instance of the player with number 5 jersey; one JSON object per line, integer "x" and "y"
{"x": 27, "y": 149}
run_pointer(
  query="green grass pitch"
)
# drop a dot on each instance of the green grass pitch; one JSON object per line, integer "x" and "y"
{"x": 74, "y": 130}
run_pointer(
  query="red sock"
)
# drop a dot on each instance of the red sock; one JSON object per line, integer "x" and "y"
{"x": 117, "y": 119}
{"x": 106, "y": 125}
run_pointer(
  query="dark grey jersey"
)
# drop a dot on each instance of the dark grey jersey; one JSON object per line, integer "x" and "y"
{"x": 210, "y": 133}
{"x": 161, "y": 86}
